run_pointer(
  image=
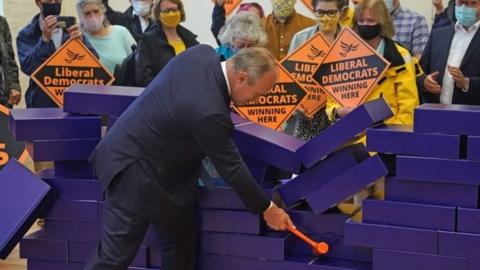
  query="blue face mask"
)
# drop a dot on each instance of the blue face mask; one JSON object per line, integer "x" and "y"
{"x": 389, "y": 4}
{"x": 466, "y": 16}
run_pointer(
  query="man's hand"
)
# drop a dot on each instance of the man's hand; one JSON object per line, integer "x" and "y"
{"x": 438, "y": 5}
{"x": 49, "y": 24}
{"x": 460, "y": 80}
{"x": 74, "y": 31}
{"x": 277, "y": 219}
{"x": 14, "y": 97}
{"x": 431, "y": 84}
{"x": 220, "y": 2}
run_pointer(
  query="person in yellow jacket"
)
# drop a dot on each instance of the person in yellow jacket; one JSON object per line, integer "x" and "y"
{"x": 398, "y": 85}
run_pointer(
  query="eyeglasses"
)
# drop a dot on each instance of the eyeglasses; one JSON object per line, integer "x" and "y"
{"x": 166, "y": 11}
{"x": 330, "y": 13}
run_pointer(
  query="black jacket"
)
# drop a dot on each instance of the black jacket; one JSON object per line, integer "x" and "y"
{"x": 179, "y": 119}
{"x": 126, "y": 19}
{"x": 154, "y": 52}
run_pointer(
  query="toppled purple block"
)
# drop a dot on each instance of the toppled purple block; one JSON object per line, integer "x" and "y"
{"x": 438, "y": 170}
{"x": 269, "y": 146}
{"x": 473, "y": 148}
{"x": 68, "y": 210}
{"x": 459, "y": 244}
{"x": 48, "y": 265}
{"x": 257, "y": 168}
{"x": 391, "y": 237}
{"x": 52, "y": 124}
{"x": 239, "y": 120}
{"x": 397, "y": 260}
{"x": 24, "y": 197}
{"x": 447, "y": 119}
{"x": 268, "y": 247}
{"x": 346, "y": 184}
{"x": 61, "y": 150}
{"x": 76, "y": 169}
{"x": 336, "y": 135}
{"x": 99, "y": 100}
{"x": 323, "y": 224}
{"x": 36, "y": 247}
{"x": 80, "y": 252}
{"x": 400, "y": 139}
{"x": 72, "y": 231}
{"x": 72, "y": 188}
{"x": 468, "y": 220}
{"x": 422, "y": 216}
{"x": 155, "y": 257}
{"x": 229, "y": 221}
{"x": 317, "y": 176}
{"x": 431, "y": 193}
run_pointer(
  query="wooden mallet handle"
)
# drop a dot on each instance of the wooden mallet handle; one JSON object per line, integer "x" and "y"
{"x": 319, "y": 248}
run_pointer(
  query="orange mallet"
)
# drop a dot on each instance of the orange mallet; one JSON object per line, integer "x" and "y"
{"x": 319, "y": 248}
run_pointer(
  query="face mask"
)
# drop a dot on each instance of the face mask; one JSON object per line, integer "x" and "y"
{"x": 282, "y": 9}
{"x": 171, "y": 19}
{"x": 368, "y": 32}
{"x": 389, "y": 4}
{"x": 94, "y": 23}
{"x": 51, "y": 9}
{"x": 466, "y": 16}
{"x": 327, "y": 24}
{"x": 141, "y": 8}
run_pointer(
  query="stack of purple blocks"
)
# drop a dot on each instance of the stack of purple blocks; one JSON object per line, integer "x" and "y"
{"x": 430, "y": 217}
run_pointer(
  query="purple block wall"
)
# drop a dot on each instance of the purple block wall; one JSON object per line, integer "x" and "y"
{"x": 473, "y": 148}
{"x": 35, "y": 246}
{"x": 229, "y": 221}
{"x": 61, "y": 150}
{"x": 344, "y": 130}
{"x": 422, "y": 216}
{"x": 400, "y": 139}
{"x": 80, "y": 252}
{"x": 448, "y": 119}
{"x": 76, "y": 169}
{"x": 468, "y": 220}
{"x": 73, "y": 231}
{"x": 459, "y": 244}
{"x": 70, "y": 210}
{"x": 396, "y": 260}
{"x": 326, "y": 223}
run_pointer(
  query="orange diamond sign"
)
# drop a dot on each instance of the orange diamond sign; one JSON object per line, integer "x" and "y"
{"x": 230, "y": 5}
{"x": 308, "y": 3}
{"x": 273, "y": 109}
{"x": 302, "y": 64}
{"x": 350, "y": 70}
{"x": 9, "y": 148}
{"x": 73, "y": 63}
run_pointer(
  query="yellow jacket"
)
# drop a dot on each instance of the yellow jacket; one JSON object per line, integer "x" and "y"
{"x": 347, "y": 19}
{"x": 398, "y": 86}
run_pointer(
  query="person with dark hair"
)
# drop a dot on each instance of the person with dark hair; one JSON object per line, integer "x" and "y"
{"x": 165, "y": 40}
{"x": 136, "y": 18}
{"x": 443, "y": 17}
{"x": 219, "y": 18}
{"x": 10, "y": 94}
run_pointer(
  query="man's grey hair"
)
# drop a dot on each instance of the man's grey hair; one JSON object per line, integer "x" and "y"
{"x": 244, "y": 25}
{"x": 255, "y": 61}
{"x": 83, "y": 3}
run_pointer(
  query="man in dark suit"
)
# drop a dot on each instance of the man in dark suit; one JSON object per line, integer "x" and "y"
{"x": 148, "y": 163}
{"x": 450, "y": 61}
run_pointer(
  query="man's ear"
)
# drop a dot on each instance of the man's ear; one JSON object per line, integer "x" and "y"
{"x": 241, "y": 77}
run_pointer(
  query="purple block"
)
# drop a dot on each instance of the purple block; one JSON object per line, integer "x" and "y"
{"x": 323, "y": 224}
{"x": 24, "y": 197}
{"x": 155, "y": 257}
{"x": 258, "y": 169}
{"x": 34, "y": 246}
{"x": 448, "y": 119}
{"x": 344, "y": 130}
{"x": 224, "y": 197}
{"x": 468, "y": 220}
{"x": 438, "y": 170}
{"x": 268, "y": 247}
{"x": 76, "y": 169}
{"x": 396, "y": 260}
{"x": 270, "y": 146}
{"x": 46, "y": 265}
{"x": 111, "y": 121}
{"x": 151, "y": 239}
{"x": 391, "y": 237}
{"x": 239, "y": 120}
{"x": 68, "y": 210}
{"x": 80, "y": 252}
{"x": 422, "y": 216}
{"x": 52, "y": 124}
{"x": 459, "y": 244}
{"x": 229, "y": 221}
{"x": 72, "y": 231}
{"x": 72, "y": 188}
{"x": 312, "y": 179}
{"x": 99, "y": 100}
{"x": 431, "y": 193}
{"x": 473, "y": 148}
{"x": 346, "y": 184}
{"x": 338, "y": 248}
{"x": 61, "y": 150}
{"x": 400, "y": 139}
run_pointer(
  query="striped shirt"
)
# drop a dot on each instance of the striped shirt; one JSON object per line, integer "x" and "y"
{"x": 411, "y": 30}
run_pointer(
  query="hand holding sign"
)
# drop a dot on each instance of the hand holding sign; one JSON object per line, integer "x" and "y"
{"x": 49, "y": 24}
{"x": 74, "y": 31}
{"x": 431, "y": 84}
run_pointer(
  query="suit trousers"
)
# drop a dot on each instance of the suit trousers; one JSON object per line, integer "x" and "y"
{"x": 131, "y": 205}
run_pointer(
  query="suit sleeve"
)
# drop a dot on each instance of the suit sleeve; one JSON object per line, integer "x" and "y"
{"x": 213, "y": 133}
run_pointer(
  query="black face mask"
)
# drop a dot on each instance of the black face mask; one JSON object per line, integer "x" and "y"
{"x": 368, "y": 32}
{"x": 51, "y": 9}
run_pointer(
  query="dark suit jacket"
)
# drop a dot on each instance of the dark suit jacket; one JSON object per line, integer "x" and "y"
{"x": 180, "y": 118}
{"x": 435, "y": 58}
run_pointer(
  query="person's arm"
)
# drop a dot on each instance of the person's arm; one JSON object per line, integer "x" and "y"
{"x": 419, "y": 36}
{"x": 218, "y": 19}
{"x": 143, "y": 64}
{"x": 11, "y": 69}
{"x": 407, "y": 95}
{"x": 114, "y": 17}
{"x": 32, "y": 53}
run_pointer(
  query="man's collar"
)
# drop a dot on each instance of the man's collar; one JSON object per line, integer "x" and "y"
{"x": 396, "y": 10}
{"x": 224, "y": 69}
{"x": 459, "y": 27}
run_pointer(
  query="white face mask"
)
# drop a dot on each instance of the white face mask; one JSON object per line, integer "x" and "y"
{"x": 142, "y": 8}
{"x": 94, "y": 23}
